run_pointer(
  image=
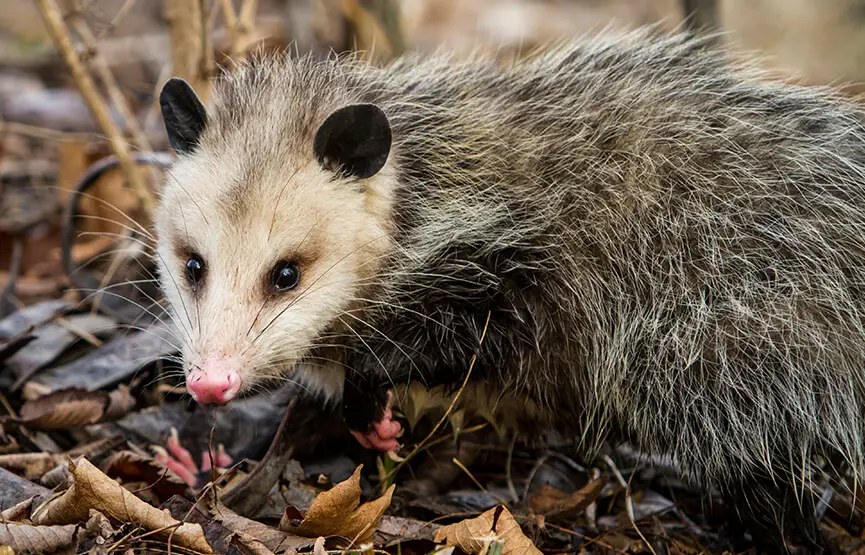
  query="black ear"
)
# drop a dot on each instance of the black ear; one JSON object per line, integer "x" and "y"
{"x": 354, "y": 139}
{"x": 183, "y": 113}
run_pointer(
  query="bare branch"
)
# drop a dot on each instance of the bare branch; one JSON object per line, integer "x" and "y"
{"x": 60, "y": 34}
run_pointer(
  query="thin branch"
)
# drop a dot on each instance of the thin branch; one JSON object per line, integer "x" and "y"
{"x": 100, "y": 67}
{"x": 43, "y": 132}
{"x": 60, "y": 34}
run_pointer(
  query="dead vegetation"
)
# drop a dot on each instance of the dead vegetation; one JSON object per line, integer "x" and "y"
{"x": 90, "y": 390}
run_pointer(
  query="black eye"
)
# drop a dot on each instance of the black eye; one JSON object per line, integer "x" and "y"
{"x": 285, "y": 276}
{"x": 194, "y": 270}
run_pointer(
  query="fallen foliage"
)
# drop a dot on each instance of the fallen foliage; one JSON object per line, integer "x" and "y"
{"x": 338, "y": 512}
{"x": 91, "y": 489}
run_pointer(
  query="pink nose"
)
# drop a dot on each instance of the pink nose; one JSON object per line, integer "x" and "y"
{"x": 214, "y": 382}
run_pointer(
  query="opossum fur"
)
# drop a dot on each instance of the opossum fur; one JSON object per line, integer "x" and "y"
{"x": 660, "y": 245}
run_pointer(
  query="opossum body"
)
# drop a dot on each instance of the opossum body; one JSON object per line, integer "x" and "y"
{"x": 666, "y": 248}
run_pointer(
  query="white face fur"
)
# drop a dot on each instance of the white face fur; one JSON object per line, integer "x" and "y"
{"x": 236, "y": 303}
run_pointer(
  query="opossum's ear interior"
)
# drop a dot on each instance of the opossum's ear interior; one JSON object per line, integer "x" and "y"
{"x": 183, "y": 113}
{"x": 355, "y": 140}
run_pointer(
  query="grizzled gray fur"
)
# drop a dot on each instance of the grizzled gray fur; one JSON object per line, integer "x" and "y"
{"x": 670, "y": 247}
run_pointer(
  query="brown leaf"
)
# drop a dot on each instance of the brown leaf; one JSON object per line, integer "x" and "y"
{"x": 18, "y": 511}
{"x": 397, "y": 527}
{"x": 551, "y": 502}
{"x": 31, "y": 465}
{"x": 64, "y": 409}
{"x": 27, "y": 538}
{"x": 336, "y": 513}
{"x": 69, "y": 408}
{"x": 473, "y": 535}
{"x": 270, "y": 537}
{"x": 120, "y": 402}
{"x": 91, "y": 489}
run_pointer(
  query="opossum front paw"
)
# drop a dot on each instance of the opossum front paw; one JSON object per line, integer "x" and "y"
{"x": 384, "y": 433}
{"x": 179, "y": 460}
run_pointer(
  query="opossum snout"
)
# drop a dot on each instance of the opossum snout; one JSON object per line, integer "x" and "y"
{"x": 216, "y": 381}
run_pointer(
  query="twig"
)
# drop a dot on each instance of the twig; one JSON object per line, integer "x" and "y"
{"x": 230, "y": 19}
{"x": 480, "y": 486}
{"x": 60, "y": 34}
{"x": 121, "y": 13}
{"x": 188, "y": 31}
{"x": 80, "y": 332}
{"x": 100, "y": 67}
{"x": 239, "y": 28}
{"x": 245, "y": 27}
{"x": 629, "y": 502}
{"x": 42, "y": 132}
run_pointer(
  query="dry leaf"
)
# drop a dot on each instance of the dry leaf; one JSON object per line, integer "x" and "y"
{"x": 120, "y": 402}
{"x": 551, "y": 502}
{"x": 69, "y": 408}
{"x": 475, "y": 534}
{"x": 91, "y": 489}
{"x": 27, "y": 538}
{"x": 18, "y": 511}
{"x": 270, "y": 537}
{"x": 336, "y": 513}
{"x": 31, "y": 465}
{"x": 64, "y": 409}
{"x": 128, "y": 466}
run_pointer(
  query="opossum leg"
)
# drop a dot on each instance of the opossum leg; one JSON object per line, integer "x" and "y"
{"x": 778, "y": 519}
{"x": 367, "y": 412}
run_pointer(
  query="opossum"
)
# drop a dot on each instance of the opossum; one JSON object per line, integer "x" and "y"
{"x": 639, "y": 235}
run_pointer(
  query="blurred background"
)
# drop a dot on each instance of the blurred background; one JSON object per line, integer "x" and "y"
{"x": 83, "y": 87}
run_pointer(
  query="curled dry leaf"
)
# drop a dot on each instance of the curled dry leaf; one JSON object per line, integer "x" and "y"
{"x": 129, "y": 466}
{"x": 269, "y": 537}
{"x": 91, "y": 489}
{"x": 120, "y": 402}
{"x": 336, "y": 513}
{"x": 64, "y": 409}
{"x": 551, "y": 502}
{"x": 18, "y": 511}
{"x": 475, "y": 534}
{"x": 74, "y": 407}
{"x": 27, "y": 538}
{"x": 31, "y": 465}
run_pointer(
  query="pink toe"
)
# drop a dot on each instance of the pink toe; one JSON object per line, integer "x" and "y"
{"x": 384, "y": 445}
{"x": 387, "y": 429}
{"x": 223, "y": 459}
{"x": 206, "y": 464}
{"x": 177, "y": 468}
{"x": 178, "y": 452}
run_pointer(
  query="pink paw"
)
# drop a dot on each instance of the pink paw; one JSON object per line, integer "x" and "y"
{"x": 179, "y": 460}
{"x": 385, "y": 432}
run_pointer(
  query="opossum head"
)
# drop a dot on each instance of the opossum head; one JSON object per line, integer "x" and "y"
{"x": 272, "y": 225}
